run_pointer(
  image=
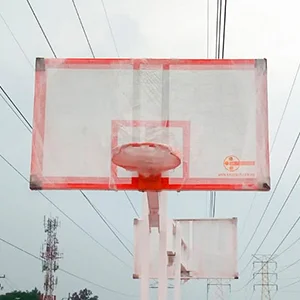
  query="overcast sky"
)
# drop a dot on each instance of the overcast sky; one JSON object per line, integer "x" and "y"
{"x": 169, "y": 28}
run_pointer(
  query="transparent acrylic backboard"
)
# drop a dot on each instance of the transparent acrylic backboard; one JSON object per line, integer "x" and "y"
{"x": 211, "y": 248}
{"x": 213, "y": 113}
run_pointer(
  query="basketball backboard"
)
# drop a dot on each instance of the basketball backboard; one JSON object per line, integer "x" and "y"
{"x": 212, "y": 113}
{"x": 211, "y": 248}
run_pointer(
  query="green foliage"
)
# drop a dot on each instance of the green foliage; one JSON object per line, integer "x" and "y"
{"x": 19, "y": 295}
{"x": 84, "y": 294}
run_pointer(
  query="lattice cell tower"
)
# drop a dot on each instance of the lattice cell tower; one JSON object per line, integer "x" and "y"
{"x": 50, "y": 256}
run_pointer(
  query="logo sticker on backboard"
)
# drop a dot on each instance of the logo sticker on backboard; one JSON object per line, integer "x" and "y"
{"x": 232, "y": 163}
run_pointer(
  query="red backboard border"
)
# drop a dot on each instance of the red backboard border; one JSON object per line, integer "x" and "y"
{"x": 38, "y": 181}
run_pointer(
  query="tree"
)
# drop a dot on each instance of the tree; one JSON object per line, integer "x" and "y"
{"x": 84, "y": 294}
{"x": 19, "y": 295}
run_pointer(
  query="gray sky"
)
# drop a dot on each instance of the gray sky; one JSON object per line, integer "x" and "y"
{"x": 255, "y": 29}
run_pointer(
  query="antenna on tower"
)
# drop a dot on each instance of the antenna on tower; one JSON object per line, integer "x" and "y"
{"x": 50, "y": 256}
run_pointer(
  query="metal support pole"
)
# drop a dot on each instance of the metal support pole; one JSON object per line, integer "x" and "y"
{"x": 163, "y": 258}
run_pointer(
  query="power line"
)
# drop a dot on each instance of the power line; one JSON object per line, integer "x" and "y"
{"x": 217, "y": 28}
{"x": 87, "y": 39}
{"x": 30, "y": 130}
{"x": 285, "y": 107}
{"x": 83, "y": 28}
{"x": 105, "y": 222}
{"x": 25, "y": 119}
{"x": 278, "y": 214}
{"x": 224, "y": 28}
{"x": 41, "y": 28}
{"x": 114, "y": 227}
{"x": 16, "y": 40}
{"x": 279, "y": 245}
{"x": 93, "y": 55}
{"x": 291, "y": 284}
{"x": 289, "y": 247}
{"x": 275, "y": 139}
{"x": 213, "y": 194}
{"x": 65, "y": 271}
{"x": 9, "y": 283}
{"x": 110, "y": 28}
{"x": 16, "y": 108}
{"x": 98, "y": 212}
{"x": 289, "y": 266}
{"x": 269, "y": 202}
{"x": 207, "y": 28}
{"x": 85, "y": 34}
{"x": 132, "y": 206}
{"x": 248, "y": 215}
{"x": 15, "y": 112}
{"x": 62, "y": 212}
{"x": 84, "y": 195}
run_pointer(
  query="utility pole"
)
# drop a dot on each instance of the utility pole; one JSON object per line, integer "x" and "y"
{"x": 267, "y": 274}
{"x": 50, "y": 256}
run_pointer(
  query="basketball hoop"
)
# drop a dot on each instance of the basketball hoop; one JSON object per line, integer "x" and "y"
{"x": 147, "y": 159}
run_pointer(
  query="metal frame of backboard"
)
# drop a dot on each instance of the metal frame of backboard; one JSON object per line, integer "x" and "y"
{"x": 39, "y": 181}
{"x": 188, "y": 254}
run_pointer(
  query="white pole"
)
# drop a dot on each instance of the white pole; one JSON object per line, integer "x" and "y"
{"x": 177, "y": 291}
{"x": 163, "y": 258}
{"x": 145, "y": 252}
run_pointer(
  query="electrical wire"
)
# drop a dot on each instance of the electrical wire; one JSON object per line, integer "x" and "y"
{"x": 93, "y": 55}
{"x": 101, "y": 215}
{"x": 65, "y": 271}
{"x": 289, "y": 266}
{"x": 270, "y": 199}
{"x": 105, "y": 222}
{"x": 274, "y": 252}
{"x": 110, "y": 28}
{"x": 16, "y": 40}
{"x": 291, "y": 284}
{"x": 289, "y": 247}
{"x": 63, "y": 213}
{"x": 224, "y": 28}
{"x": 278, "y": 214}
{"x": 104, "y": 219}
{"x": 114, "y": 227}
{"x": 15, "y": 113}
{"x": 217, "y": 29}
{"x": 16, "y": 108}
{"x": 276, "y": 134}
{"x": 54, "y": 54}
{"x": 248, "y": 215}
{"x": 207, "y": 28}
{"x": 85, "y": 34}
{"x": 10, "y": 286}
{"x": 83, "y": 28}
{"x": 41, "y": 28}
{"x": 132, "y": 205}
{"x": 285, "y": 107}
